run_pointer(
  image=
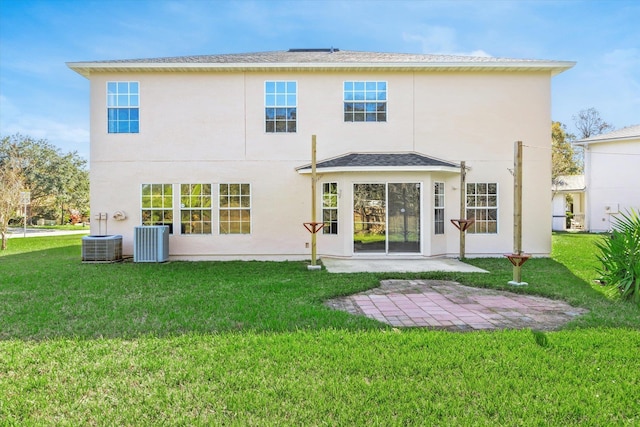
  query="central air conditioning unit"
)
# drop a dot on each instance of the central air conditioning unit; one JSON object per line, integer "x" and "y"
{"x": 102, "y": 248}
{"x": 151, "y": 243}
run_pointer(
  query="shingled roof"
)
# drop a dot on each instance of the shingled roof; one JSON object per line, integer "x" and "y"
{"x": 629, "y": 132}
{"x": 568, "y": 183}
{"x": 314, "y": 59}
{"x": 381, "y": 161}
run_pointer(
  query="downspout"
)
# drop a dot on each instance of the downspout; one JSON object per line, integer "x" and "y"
{"x": 587, "y": 186}
{"x": 413, "y": 106}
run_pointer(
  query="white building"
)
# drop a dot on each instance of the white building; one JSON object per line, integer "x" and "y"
{"x": 568, "y": 198}
{"x": 612, "y": 176}
{"x": 218, "y": 147}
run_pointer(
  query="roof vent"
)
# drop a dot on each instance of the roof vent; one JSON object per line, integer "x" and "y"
{"x": 324, "y": 49}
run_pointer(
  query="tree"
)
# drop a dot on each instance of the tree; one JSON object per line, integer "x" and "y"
{"x": 589, "y": 123}
{"x": 563, "y": 160}
{"x": 11, "y": 184}
{"x": 57, "y": 182}
{"x": 70, "y": 188}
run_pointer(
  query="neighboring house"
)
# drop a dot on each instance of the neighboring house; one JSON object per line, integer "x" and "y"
{"x": 612, "y": 176}
{"x": 219, "y": 149}
{"x": 568, "y": 202}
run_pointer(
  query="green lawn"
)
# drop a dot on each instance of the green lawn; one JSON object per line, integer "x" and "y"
{"x": 250, "y": 343}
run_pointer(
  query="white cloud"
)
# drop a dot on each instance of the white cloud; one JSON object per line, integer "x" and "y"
{"x": 66, "y": 136}
{"x": 608, "y": 82}
{"x": 615, "y": 84}
{"x": 440, "y": 40}
{"x": 625, "y": 62}
{"x": 434, "y": 39}
{"x": 479, "y": 52}
{"x": 7, "y": 108}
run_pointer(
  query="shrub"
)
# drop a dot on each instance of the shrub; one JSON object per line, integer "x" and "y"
{"x": 620, "y": 256}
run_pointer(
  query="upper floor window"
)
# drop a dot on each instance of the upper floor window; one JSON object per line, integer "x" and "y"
{"x": 280, "y": 102}
{"x": 438, "y": 207}
{"x": 482, "y": 205}
{"x": 330, "y": 207}
{"x": 195, "y": 208}
{"x": 235, "y": 209}
{"x": 157, "y": 205}
{"x": 123, "y": 102}
{"x": 365, "y": 101}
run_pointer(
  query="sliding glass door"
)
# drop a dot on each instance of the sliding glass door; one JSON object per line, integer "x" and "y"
{"x": 369, "y": 218}
{"x": 403, "y": 228}
{"x": 386, "y": 218}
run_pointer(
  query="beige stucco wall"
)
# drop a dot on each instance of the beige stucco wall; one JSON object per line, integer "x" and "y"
{"x": 209, "y": 127}
{"x": 612, "y": 175}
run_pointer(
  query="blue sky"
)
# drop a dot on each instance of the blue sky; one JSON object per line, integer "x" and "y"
{"x": 41, "y": 97}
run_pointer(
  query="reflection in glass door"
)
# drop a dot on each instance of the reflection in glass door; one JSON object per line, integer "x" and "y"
{"x": 403, "y": 227}
{"x": 369, "y": 218}
{"x": 378, "y": 229}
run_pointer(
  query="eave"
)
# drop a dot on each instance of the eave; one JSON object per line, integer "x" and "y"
{"x": 86, "y": 69}
{"x": 605, "y": 140}
{"x": 355, "y": 169}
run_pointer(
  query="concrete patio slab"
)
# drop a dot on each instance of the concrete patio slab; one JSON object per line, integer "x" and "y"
{"x": 413, "y": 265}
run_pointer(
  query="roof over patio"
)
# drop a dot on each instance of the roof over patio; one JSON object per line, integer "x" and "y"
{"x": 368, "y": 162}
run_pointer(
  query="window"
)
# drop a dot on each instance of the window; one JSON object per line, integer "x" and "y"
{"x": 235, "y": 209}
{"x": 157, "y": 205}
{"x": 438, "y": 208}
{"x": 280, "y": 101}
{"x": 123, "y": 101}
{"x": 330, "y": 207}
{"x": 195, "y": 208}
{"x": 365, "y": 101}
{"x": 482, "y": 205}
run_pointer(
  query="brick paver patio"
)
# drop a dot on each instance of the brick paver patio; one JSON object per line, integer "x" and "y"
{"x": 449, "y": 305}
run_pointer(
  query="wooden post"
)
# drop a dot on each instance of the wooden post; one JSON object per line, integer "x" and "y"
{"x": 463, "y": 213}
{"x": 313, "y": 203}
{"x": 517, "y": 211}
{"x": 517, "y": 258}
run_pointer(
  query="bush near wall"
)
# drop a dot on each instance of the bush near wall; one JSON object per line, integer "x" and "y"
{"x": 620, "y": 256}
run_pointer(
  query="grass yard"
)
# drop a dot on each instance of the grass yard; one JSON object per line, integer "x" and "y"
{"x": 250, "y": 343}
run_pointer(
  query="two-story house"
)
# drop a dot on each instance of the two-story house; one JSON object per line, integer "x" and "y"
{"x": 218, "y": 148}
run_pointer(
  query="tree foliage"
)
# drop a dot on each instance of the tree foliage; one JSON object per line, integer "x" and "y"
{"x": 58, "y": 182}
{"x": 589, "y": 123}
{"x": 563, "y": 159}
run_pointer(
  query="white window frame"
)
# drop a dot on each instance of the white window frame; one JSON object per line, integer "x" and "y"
{"x": 182, "y": 208}
{"x": 113, "y": 103}
{"x": 438, "y": 206}
{"x": 238, "y": 208}
{"x": 163, "y": 208}
{"x": 365, "y": 101}
{"x": 275, "y": 105}
{"x": 474, "y": 227}
{"x": 325, "y": 229}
